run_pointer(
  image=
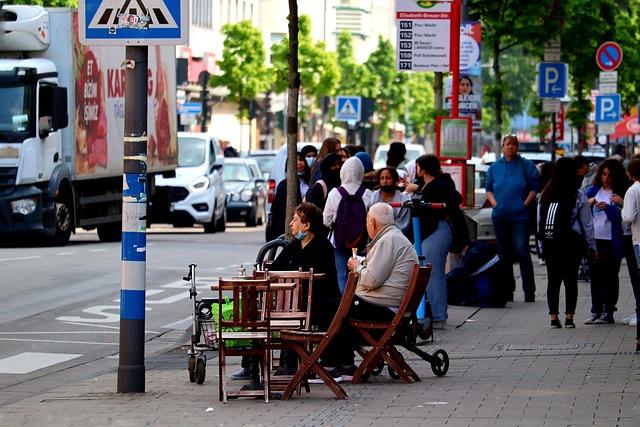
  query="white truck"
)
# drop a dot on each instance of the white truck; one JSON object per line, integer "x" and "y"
{"x": 62, "y": 127}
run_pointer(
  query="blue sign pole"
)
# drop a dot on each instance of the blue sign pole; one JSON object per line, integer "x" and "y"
{"x": 131, "y": 370}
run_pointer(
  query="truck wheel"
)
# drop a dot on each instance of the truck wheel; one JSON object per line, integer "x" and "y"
{"x": 111, "y": 232}
{"x": 221, "y": 224}
{"x": 63, "y": 220}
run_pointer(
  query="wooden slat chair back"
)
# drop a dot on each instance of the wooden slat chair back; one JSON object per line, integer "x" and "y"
{"x": 384, "y": 347}
{"x": 291, "y": 308}
{"x": 251, "y": 321}
{"x": 301, "y": 342}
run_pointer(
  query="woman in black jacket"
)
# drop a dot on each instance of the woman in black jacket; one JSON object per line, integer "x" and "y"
{"x": 436, "y": 230}
{"x": 330, "y": 178}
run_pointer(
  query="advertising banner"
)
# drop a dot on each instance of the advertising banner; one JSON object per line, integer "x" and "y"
{"x": 99, "y": 108}
{"x": 470, "y": 40}
{"x": 469, "y": 98}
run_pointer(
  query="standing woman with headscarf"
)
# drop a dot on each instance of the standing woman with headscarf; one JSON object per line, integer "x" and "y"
{"x": 279, "y": 205}
{"x": 330, "y": 178}
{"x": 329, "y": 146}
{"x": 351, "y": 176}
{"x": 436, "y": 229}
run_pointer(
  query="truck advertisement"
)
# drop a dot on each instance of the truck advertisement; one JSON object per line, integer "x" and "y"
{"x": 99, "y": 79}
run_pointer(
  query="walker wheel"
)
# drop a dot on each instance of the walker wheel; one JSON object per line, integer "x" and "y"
{"x": 392, "y": 373}
{"x": 191, "y": 367}
{"x": 378, "y": 369}
{"x": 440, "y": 363}
{"x": 200, "y": 371}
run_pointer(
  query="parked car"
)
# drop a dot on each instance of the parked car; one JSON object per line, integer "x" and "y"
{"x": 197, "y": 191}
{"x": 380, "y": 157}
{"x": 265, "y": 159}
{"x": 245, "y": 187}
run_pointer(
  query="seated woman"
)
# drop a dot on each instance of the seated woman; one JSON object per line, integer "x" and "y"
{"x": 307, "y": 251}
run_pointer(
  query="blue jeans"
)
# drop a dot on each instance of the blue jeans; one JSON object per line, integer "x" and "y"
{"x": 435, "y": 249}
{"x": 513, "y": 245}
{"x": 342, "y": 257}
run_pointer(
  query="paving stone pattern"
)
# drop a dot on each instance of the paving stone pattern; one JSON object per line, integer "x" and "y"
{"x": 507, "y": 369}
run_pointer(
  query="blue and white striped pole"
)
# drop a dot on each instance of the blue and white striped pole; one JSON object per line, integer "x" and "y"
{"x": 131, "y": 370}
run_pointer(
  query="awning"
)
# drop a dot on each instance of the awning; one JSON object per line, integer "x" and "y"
{"x": 627, "y": 127}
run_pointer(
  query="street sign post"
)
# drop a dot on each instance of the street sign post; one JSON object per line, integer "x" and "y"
{"x": 607, "y": 109}
{"x": 609, "y": 56}
{"x": 552, "y": 79}
{"x": 348, "y": 108}
{"x": 144, "y": 22}
{"x": 135, "y": 24}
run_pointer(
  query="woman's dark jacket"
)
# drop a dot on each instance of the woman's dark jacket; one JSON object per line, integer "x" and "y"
{"x": 318, "y": 254}
{"x": 441, "y": 190}
{"x": 278, "y": 211}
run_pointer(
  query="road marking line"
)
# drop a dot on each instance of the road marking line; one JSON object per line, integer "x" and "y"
{"x": 92, "y": 325}
{"x": 65, "y": 253}
{"x": 60, "y": 341}
{"x": 177, "y": 323}
{"x": 24, "y": 363}
{"x": 20, "y": 258}
{"x": 97, "y": 250}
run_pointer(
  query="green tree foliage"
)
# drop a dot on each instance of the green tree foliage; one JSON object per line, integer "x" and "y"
{"x": 509, "y": 23}
{"x": 243, "y": 69}
{"x": 319, "y": 72}
{"x": 420, "y": 102}
{"x": 355, "y": 78}
{"x": 386, "y": 85}
{"x": 47, "y": 3}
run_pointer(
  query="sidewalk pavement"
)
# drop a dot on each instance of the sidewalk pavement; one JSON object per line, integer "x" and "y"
{"x": 507, "y": 369}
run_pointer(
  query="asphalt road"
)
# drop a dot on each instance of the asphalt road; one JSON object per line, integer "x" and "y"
{"x": 59, "y": 306}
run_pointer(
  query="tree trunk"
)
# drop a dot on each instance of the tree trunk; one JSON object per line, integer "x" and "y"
{"x": 438, "y": 89}
{"x": 292, "y": 116}
{"x": 498, "y": 95}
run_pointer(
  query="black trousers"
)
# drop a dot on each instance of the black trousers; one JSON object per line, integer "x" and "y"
{"x": 634, "y": 274}
{"x": 563, "y": 262}
{"x": 605, "y": 283}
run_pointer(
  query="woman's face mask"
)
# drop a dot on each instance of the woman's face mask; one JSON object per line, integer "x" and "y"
{"x": 310, "y": 160}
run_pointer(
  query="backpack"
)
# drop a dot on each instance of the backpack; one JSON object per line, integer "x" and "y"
{"x": 350, "y": 228}
{"x": 555, "y": 221}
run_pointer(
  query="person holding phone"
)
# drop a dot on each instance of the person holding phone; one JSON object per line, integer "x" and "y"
{"x": 605, "y": 197}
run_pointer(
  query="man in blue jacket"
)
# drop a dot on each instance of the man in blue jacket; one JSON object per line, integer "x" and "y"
{"x": 512, "y": 184}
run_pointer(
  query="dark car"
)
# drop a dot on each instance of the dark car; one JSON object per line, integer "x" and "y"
{"x": 265, "y": 160}
{"x": 245, "y": 188}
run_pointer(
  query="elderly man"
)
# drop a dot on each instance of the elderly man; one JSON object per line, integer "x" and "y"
{"x": 386, "y": 270}
{"x": 384, "y": 276}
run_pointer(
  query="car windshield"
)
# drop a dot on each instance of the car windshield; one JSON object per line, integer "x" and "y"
{"x": 412, "y": 154}
{"x": 265, "y": 162}
{"x": 191, "y": 152}
{"x": 381, "y": 154}
{"x": 236, "y": 172}
{"x": 16, "y": 112}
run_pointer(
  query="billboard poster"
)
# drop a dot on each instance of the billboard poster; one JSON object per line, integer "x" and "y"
{"x": 470, "y": 39}
{"x": 99, "y": 80}
{"x": 469, "y": 98}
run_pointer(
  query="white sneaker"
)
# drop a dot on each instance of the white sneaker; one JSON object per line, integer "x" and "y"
{"x": 629, "y": 319}
{"x": 634, "y": 320}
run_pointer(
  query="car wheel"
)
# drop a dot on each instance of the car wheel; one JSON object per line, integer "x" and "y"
{"x": 253, "y": 220}
{"x": 210, "y": 227}
{"x": 221, "y": 224}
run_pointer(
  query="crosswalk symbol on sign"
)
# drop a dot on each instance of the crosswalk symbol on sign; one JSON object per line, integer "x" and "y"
{"x": 149, "y": 14}
{"x": 348, "y": 108}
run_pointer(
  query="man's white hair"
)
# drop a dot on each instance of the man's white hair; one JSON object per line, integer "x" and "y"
{"x": 382, "y": 213}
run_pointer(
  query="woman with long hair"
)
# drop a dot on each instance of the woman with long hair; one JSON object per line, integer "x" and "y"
{"x": 436, "y": 229}
{"x": 329, "y": 146}
{"x": 606, "y": 199}
{"x": 564, "y": 225}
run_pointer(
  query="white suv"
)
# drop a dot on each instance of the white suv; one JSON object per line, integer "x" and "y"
{"x": 197, "y": 190}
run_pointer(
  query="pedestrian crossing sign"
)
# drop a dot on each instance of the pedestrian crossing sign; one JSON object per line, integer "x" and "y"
{"x": 133, "y": 22}
{"x": 348, "y": 108}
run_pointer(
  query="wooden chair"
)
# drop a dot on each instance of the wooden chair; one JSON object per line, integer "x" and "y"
{"x": 250, "y": 321}
{"x": 394, "y": 332}
{"x": 301, "y": 342}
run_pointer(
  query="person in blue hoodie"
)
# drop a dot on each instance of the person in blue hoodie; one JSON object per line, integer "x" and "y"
{"x": 606, "y": 199}
{"x": 512, "y": 184}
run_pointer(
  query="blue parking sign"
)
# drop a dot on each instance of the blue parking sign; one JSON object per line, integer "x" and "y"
{"x": 553, "y": 79}
{"x": 608, "y": 109}
{"x": 133, "y": 22}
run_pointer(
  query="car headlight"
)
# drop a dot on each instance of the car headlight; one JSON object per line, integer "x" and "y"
{"x": 246, "y": 195}
{"x": 24, "y": 206}
{"x": 200, "y": 184}
{"x": 235, "y": 197}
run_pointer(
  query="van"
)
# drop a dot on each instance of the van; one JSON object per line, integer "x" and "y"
{"x": 197, "y": 191}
